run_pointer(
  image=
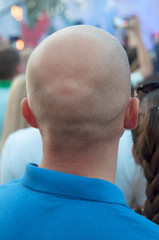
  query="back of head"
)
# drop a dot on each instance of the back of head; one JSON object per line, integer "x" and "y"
{"x": 78, "y": 86}
{"x": 9, "y": 60}
{"x": 146, "y": 140}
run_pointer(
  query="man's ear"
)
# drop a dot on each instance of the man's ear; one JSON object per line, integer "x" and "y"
{"x": 27, "y": 113}
{"x": 131, "y": 114}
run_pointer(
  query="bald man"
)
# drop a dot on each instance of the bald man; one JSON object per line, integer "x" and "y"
{"x": 78, "y": 95}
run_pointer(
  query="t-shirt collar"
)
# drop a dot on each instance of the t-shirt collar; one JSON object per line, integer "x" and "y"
{"x": 71, "y": 186}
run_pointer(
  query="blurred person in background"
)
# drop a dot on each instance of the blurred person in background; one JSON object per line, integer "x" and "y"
{"x": 24, "y": 56}
{"x": 130, "y": 177}
{"x": 146, "y": 151}
{"x": 14, "y": 119}
{"x": 149, "y": 84}
{"x": 141, "y": 64}
{"x": 15, "y": 154}
{"x": 9, "y": 68}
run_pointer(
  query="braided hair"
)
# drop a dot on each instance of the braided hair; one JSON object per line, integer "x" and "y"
{"x": 146, "y": 146}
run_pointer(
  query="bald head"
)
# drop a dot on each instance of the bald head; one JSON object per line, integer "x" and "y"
{"x": 78, "y": 85}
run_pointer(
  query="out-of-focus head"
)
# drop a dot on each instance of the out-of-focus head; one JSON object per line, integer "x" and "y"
{"x": 9, "y": 61}
{"x": 148, "y": 117}
{"x": 146, "y": 151}
{"x": 24, "y": 55}
{"x": 18, "y": 92}
{"x": 149, "y": 84}
{"x": 78, "y": 87}
{"x": 14, "y": 119}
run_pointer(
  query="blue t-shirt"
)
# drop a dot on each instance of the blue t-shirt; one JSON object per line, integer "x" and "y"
{"x": 49, "y": 205}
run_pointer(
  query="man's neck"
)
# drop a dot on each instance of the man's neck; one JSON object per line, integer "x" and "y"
{"x": 94, "y": 164}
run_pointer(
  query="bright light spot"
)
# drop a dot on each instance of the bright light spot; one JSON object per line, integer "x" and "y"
{"x": 20, "y": 44}
{"x": 17, "y": 13}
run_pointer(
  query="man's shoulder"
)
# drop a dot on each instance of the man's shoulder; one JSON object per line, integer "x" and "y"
{"x": 9, "y": 190}
{"x": 99, "y": 220}
{"x": 138, "y": 225}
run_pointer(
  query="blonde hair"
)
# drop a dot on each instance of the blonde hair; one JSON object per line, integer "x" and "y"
{"x": 24, "y": 56}
{"x": 14, "y": 119}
